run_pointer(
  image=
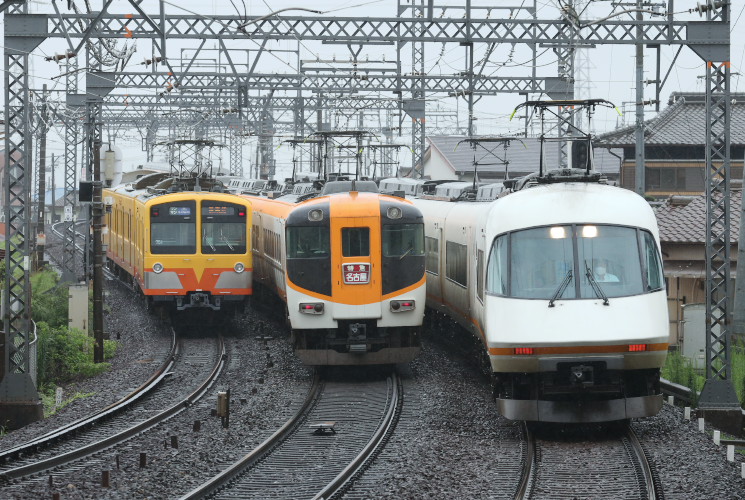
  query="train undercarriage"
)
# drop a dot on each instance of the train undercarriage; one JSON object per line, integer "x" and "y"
{"x": 357, "y": 343}
{"x": 578, "y": 392}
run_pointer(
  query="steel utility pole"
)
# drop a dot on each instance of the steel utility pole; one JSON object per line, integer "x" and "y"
{"x": 42, "y": 175}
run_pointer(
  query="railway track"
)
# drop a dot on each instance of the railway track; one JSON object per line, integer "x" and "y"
{"x": 300, "y": 462}
{"x": 612, "y": 464}
{"x": 60, "y": 451}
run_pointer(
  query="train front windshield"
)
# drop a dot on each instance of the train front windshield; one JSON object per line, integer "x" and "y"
{"x": 574, "y": 261}
{"x": 223, "y": 228}
{"x": 173, "y": 228}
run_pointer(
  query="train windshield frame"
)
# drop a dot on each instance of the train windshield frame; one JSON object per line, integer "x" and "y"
{"x": 223, "y": 228}
{"x": 173, "y": 228}
{"x": 574, "y": 261}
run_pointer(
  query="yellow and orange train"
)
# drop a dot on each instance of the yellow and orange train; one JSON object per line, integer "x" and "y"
{"x": 349, "y": 265}
{"x": 183, "y": 248}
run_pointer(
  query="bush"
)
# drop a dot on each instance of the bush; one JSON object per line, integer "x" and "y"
{"x": 49, "y": 300}
{"x": 66, "y": 355}
{"x": 678, "y": 369}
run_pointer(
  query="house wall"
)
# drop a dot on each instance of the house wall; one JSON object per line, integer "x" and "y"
{"x": 669, "y": 177}
{"x": 688, "y": 287}
{"x": 436, "y": 167}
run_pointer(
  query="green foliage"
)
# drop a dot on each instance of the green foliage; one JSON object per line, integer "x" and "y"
{"x": 49, "y": 300}
{"x": 49, "y": 396}
{"x": 66, "y": 355}
{"x": 738, "y": 371}
{"x": 678, "y": 369}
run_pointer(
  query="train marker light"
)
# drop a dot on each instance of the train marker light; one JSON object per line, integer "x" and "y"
{"x": 402, "y": 305}
{"x": 523, "y": 350}
{"x": 239, "y": 267}
{"x": 311, "y": 308}
{"x": 394, "y": 213}
{"x": 637, "y": 347}
{"x": 315, "y": 215}
{"x": 158, "y": 268}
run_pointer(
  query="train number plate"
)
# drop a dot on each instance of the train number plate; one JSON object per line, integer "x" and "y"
{"x": 356, "y": 274}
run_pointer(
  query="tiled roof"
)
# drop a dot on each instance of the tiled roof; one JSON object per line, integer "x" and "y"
{"x": 685, "y": 223}
{"x": 522, "y": 159}
{"x": 682, "y": 122}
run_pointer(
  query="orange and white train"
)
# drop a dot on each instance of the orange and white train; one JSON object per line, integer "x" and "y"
{"x": 182, "y": 248}
{"x": 348, "y": 264}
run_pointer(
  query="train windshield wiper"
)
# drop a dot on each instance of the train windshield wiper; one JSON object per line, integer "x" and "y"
{"x": 595, "y": 285}
{"x": 560, "y": 290}
{"x": 406, "y": 253}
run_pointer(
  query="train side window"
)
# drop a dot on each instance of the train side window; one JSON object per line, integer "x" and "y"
{"x": 480, "y": 275}
{"x": 355, "y": 241}
{"x": 432, "y": 262}
{"x": 652, "y": 264}
{"x": 497, "y": 271}
{"x": 456, "y": 263}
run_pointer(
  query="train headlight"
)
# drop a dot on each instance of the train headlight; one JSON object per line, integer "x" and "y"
{"x": 239, "y": 267}
{"x": 315, "y": 215}
{"x": 158, "y": 268}
{"x": 402, "y": 305}
{"x": 394, "y": 213}
{"x": 311, "y": 308}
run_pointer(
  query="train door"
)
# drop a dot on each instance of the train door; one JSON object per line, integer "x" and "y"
{"x": 356, "y": 272}
{"x": 257, "y": 230}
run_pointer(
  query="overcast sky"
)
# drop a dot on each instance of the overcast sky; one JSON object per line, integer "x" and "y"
{"x": 610, "y": 68}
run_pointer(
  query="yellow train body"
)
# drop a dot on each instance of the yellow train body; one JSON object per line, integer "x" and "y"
{"x": 184, "y": 249}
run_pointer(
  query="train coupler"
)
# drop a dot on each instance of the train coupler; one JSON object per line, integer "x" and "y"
{"x": 358, "y": 338}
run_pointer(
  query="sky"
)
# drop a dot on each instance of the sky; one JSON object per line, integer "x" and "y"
{"x": 609, "y": 69}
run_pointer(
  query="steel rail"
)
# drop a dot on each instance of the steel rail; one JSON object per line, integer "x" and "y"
{"x": 644, "y": 463}
{"x": 217, "y": 482}
{"x": 523, "y": 486}
{"x": 376, "y": 443}
{"x": 97, "y": 417}
{"x": 126, "y": 434}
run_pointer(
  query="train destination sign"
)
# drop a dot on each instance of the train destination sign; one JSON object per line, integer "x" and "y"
{"x": 356, "y": 274}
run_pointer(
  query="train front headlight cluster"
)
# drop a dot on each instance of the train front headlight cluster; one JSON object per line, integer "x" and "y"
{"x": 239, "y": 267}
{"x": 315, "y": 215}
{"x": 157, "y": 268}
{"x": 311, "y": 307}
{"x": 402, "y": 305}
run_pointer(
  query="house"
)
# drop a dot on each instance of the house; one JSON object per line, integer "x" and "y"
{"x": 682, "y": 223}
{"x": 675, "y": 146}
{"x": 447, "y": 157}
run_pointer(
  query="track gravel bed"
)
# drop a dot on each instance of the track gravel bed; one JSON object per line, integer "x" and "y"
{"x": 144, "y": 342}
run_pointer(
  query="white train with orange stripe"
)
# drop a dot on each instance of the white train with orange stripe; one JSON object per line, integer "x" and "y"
{"x": 561, "y": 283}
{"x": 182, "y": 248}
{"x": 348, "y": 263}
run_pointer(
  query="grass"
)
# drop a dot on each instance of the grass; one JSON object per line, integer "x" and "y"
{"x": 48, "y": 399}
{"x": 678, "y": 369}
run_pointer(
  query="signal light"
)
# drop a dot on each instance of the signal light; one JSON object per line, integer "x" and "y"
{"x": 637, "y": 347}
{"x": 523, "y": 350}
{"x": 241, "y": 214}
{"x": 155, "y": 212}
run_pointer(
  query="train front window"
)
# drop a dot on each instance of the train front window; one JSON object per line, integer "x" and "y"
{"x": 308, "y": 242}
{"x": 610, "y": 254}
{"x": 223, "y": 228}
{"x": 542, "y": 260}
{"x": 585, "y": 261}
{"x": 355, "y": 241}
{"x": 401, "y": 240}
{"x": 173, "y": 228}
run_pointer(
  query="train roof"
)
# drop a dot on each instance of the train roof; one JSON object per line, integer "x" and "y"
{"x": 580, "y": 202}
